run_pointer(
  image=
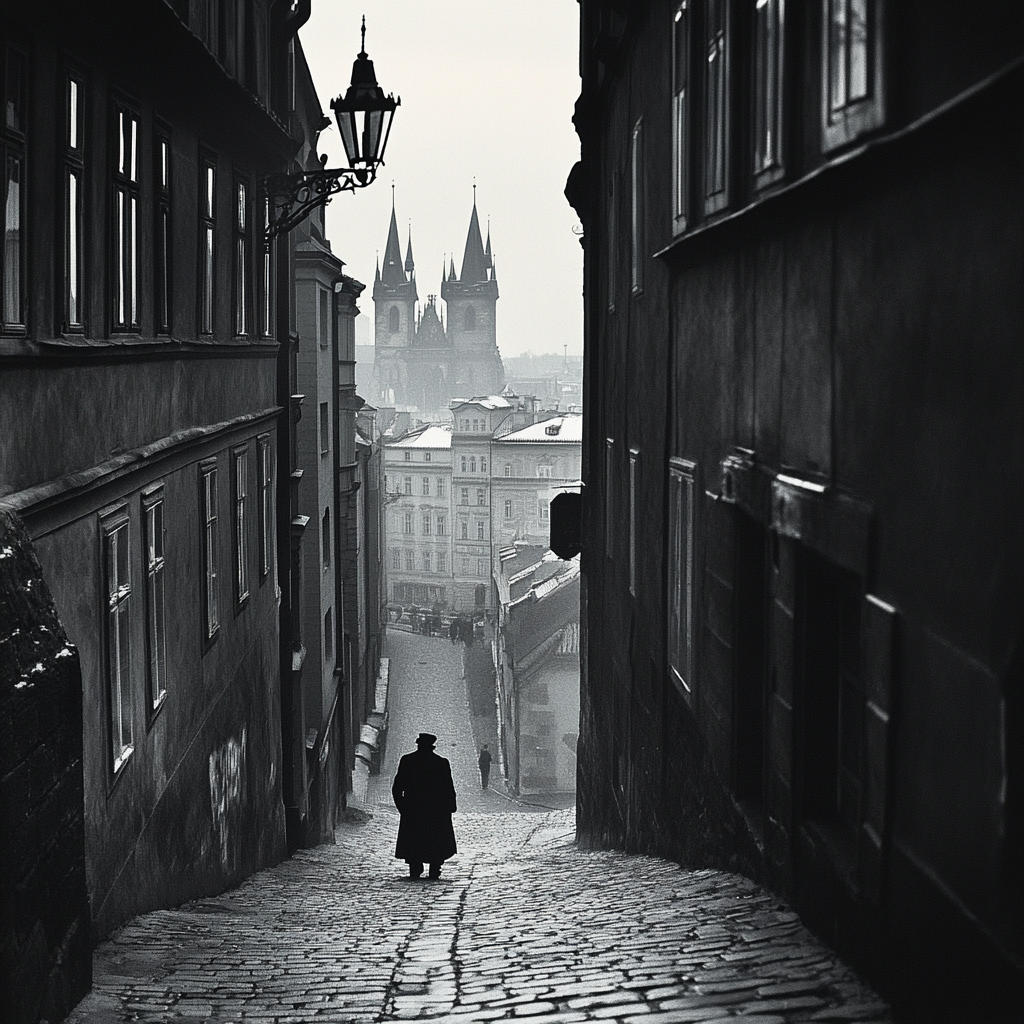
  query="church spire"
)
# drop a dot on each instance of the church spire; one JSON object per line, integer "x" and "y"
{"x": 410, "y": 266}
{"x": 487, "y": 247}
{"x": 393, "y": 272}
{"x": 474, "y": 260}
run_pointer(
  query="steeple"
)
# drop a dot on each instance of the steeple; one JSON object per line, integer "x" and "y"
{"x": 410, "y": 266}
{"x": 487, "y": 247}
{"x": 451, "y": 273}
{"x": 474, "y": 260}
{"x": 393, "y": 272}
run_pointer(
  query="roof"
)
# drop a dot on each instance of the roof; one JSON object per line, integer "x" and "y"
{"x": 425, "y": 437}
{"x": 474, "y": 260}
{"x": 393, "y": 272}
{"x": 488, "y": 402}
{"x": 557, "y": 430}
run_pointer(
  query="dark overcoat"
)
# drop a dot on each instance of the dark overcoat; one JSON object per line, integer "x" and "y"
{"x": 424, "y": 793}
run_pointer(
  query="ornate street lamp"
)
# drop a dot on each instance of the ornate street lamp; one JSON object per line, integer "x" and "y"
{"x": 364, "y": 117}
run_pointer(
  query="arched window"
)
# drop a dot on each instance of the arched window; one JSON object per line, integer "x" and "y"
{"x": 463, "y": 463}
{"x": 394, "y": 321}
{"x": 470, "y": 320}
{"x": 483, "y": 465}
{"x": 508, "y": 469}
{"x": 472, "y": 464}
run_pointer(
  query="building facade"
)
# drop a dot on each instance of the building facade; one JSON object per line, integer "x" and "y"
{"x": 419, "y": 361}
{"x": 802, "y": 463}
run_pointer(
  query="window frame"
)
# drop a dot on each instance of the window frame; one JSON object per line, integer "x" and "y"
{"x": 266, "y": 284}
{"x": 325, "y": 539}
{"x": 768, "y": 92}
{"x": 206, "y": 293}
{"x": 717, "y": 122}
{"x": 115, "y": 536}
{"x": 14, "y": 148}
{"x": 265, "y": 485}
{"x": 241, "y": 289}
{"x": 73, "y": 316}
{"x": 163, "y": 266}
{"x": 634, "y": 462}
{"x": 442, "y": 526}
{"x": 126, "y": 195}
{"x": 609, "y": 497}
{"x": 240, "y": 521}
{"x": 209, "y": 520}
{"x": 854, "y": 118}
{"x": 637, "y": 208}
{"x": 681, "y": 100}
{"x": 681, "y": 526}
{"x": 153, "y": 545}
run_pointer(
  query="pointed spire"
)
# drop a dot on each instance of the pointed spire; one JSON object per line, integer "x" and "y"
{"x": 410, "y": 266}
{"x": 474, "y": 260}
{"x": 451, "y": 273}
{"x": 393, "y": 273}
{"x": 377, "y": 277}
{"x": 487, "y": 247}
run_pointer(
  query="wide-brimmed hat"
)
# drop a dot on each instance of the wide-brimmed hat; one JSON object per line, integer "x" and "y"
{"x": 425, "y": 740}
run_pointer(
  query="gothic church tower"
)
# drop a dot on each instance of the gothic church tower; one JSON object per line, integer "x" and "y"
{"x": 394, "y": 303}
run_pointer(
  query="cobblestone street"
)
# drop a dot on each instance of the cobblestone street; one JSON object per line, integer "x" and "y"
{"x": 522, "y": 924}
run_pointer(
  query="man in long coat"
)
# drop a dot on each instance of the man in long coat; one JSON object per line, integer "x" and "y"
{"x": 424, "y": 794}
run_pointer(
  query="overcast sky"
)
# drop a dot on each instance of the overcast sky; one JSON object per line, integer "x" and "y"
{"x": 487, "y": 90}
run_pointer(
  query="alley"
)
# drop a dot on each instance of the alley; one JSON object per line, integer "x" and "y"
{"x": 523, "y": 925}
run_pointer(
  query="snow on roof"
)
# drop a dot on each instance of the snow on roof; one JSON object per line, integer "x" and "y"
{"x": 488, "y": 402}
{"x": 427, "y": 437}
{"x": 560, "y": 429}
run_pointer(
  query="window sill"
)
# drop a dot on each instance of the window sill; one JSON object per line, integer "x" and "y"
{"x": 155, "y": 709}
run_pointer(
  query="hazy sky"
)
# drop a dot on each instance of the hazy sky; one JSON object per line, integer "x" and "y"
{"x": 487, "y": 90}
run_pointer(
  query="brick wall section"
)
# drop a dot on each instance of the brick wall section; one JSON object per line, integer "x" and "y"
{"x": 46, "y": 958}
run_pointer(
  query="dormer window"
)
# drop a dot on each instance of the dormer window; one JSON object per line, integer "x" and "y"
{"x": 394, "y": 320}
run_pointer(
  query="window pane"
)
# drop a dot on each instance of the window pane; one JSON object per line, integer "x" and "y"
{"x": 858, "y": 33}
{"x": 120, "y": 142}
{"x": 12, "y": 243}
{"x": 837, "y": 54}
{"x": 72, "y": 243}
{"x": 207, "y": 318}
{"x": 133, "y": 166}
{"x": 120, "y": 303}
{"x": 209, "y": 191}
{"x": 72, "y": 114}
{"x": 15, "y": 91}
{"x": 163, "y": 164}
{"x": 133, "y": 268}
{"x": 241, "y": 206}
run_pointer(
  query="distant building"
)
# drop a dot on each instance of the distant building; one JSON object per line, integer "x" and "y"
{"x": 530, "y": 466}
{"x": 419, "y": 361}
{"x": 537, "y": 647}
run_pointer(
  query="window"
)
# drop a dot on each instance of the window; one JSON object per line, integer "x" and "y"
{"x": 481, "y": 496}
{"x": 328, "y": 634}
{"x": 74, "y": 170}
{"x": 634, "y": 458}
{"x": 463, "y": 463}
{"x": 207, "y": 246}
{"x": 440, "y": 486}
{"x": 544, "y": 509}
{"x": 464, "y": 530}
{"x": 470, "y": 319}
{"x": 241, "y": 256}
{"x": 613, "y": 238}
{"x": 680, "y": 115}
{"x": 508, "y": 469}
{"x": 396, "y": 559}
{"x": 125, "y": 271}
{"x": 208, "y": 476}
{"x": 472, "y": 464}
{"x": 426, "y": 456}
{"x": 426, "y": 524}
{"x": 481, "y": 570}
{"x": 544, "y": 472}
{"x": 325, "y": 429}
{"x": 479, "y": 529}
{"x": 483, "y": 465}
{"x": 325, "y": 538}
{"x": 716, "y": 106}
{"x": 426, "y": 486}
{"x": 609, "y": 497}
{"x": 464, "y": 496}
{"x": 442, "y": 561}
{"x": 394, "y": 320}
{"x": 636, "y": 208}
{"x": 408, "y": 456}
{"x": 508, "y": 508}
{"x": 12, "y": 214}
{"x": 156, "y": 638}
{"x": 266, "y": 488}
{"x": 410, "y": 563}
{"x": 768, "y": 81}
{"x": 407, "y": 483}
{"x": 323, "y": 317}
{"x": 266, "y": 279}
{"x": 426, "y": 561}
{"x": 162, "y": 230}
{"x": 441, "y": 526}
{"x": 681, "y": 485}
{"x": 117, "y": 580}
{"x": 851, "y": 70}
{"x": 407, "y": 523}
{"x": 241, "y": 474}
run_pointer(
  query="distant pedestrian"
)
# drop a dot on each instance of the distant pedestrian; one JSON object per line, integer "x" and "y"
{"x": 453, "y": 631}
{"x": 425, "y": 797}
{"x": 484, "y": 761}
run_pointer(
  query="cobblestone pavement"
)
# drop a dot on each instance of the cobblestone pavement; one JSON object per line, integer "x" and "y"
{"x": 521, "y": 926}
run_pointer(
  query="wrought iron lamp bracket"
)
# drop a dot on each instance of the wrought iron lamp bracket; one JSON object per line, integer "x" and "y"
{"x": 293, "y": 197}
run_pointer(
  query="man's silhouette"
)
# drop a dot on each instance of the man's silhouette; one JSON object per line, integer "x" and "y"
{"x": 425, "y": 796}
{"x": 484, "y": 763}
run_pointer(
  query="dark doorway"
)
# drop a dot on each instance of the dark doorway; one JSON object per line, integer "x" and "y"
{"x": 750, "y": 596}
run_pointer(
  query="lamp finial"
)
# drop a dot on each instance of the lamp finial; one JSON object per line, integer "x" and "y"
{"x": 362, "y": 52}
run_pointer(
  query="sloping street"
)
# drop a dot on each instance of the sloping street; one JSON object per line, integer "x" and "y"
{"x": 522, "y": 924}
